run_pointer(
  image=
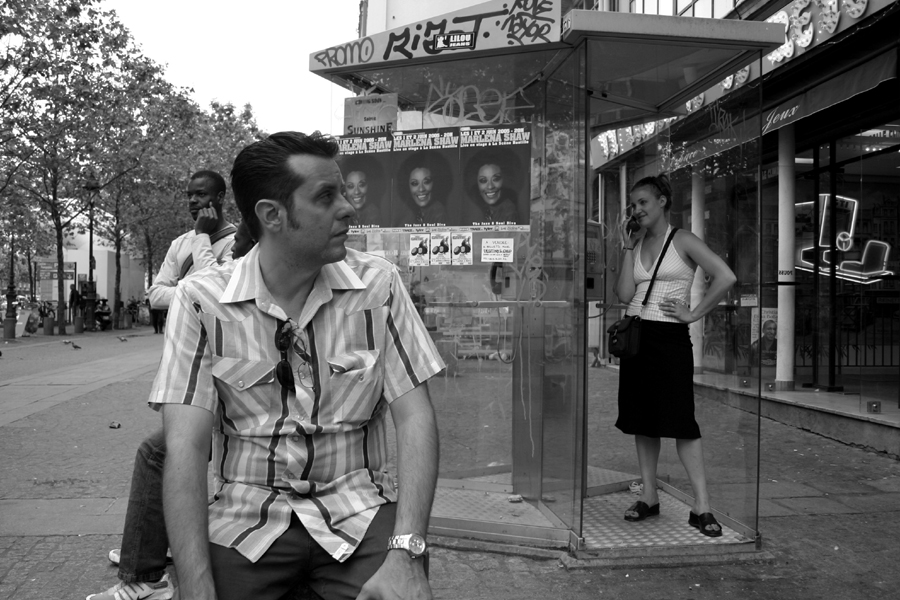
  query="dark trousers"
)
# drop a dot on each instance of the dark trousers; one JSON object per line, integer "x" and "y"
{"x": 156, "y": 319}
{"x": 144, "y": 540}
{"x": 296, "y": 560}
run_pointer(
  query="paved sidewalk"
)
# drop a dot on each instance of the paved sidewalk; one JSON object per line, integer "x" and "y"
{"x": 830, "y": 512}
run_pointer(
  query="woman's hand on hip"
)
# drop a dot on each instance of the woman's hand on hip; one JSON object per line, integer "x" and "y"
{"x": 677, "y": 309}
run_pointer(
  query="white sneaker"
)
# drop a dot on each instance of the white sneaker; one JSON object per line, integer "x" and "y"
{"x": 160, "y": 590}
{"x": 115, "y": 556}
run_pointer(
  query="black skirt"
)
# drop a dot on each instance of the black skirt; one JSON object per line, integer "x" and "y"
{"x": 656, "y": 387}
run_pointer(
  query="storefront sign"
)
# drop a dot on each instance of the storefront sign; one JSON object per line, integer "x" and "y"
{"x": 489, "y": 26}
{"x": 810, "y": 22}
{"x": 455, "y": 41}
{"x": 370, "y": 114}
{"x": 834, "y": 91}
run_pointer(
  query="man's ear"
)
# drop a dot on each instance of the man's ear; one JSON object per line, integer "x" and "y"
{"x": 268, "y": 212}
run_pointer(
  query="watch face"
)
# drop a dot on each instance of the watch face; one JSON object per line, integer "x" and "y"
{"x": 416, "y": 544}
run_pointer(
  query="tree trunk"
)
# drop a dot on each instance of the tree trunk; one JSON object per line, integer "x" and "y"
{"x": 60, "y": 281}
{"x": 30, "y": 273}
{"x": 148, "y": 253}
{"x": 118, "y": 292}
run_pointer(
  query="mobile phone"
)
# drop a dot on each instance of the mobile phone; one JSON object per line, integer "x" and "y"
{"x": 632, "y": 225}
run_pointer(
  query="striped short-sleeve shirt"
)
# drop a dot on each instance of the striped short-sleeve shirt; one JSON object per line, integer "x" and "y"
{"x": 318, "y": 450}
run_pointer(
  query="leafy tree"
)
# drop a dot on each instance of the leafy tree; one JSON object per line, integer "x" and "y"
{"x": 81, "y": 106}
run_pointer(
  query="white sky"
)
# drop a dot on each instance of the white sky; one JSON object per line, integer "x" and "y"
{"x": 248, "y": 51}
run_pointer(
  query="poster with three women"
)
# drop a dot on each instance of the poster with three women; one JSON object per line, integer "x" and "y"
{"x": 462, "y": 178}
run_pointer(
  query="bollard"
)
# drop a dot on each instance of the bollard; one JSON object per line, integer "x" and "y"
{"x": 78, "y": 324}
{"x": 48, "y": 325}
{"x": 127, "y": 320}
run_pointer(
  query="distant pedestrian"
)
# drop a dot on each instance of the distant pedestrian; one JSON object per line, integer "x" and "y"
{"x": 74, "y": 302}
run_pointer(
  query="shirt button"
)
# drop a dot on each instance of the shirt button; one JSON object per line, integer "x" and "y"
{"x": 361, "y": 377}
{"x": 240, "y": 384}
{"x": 288, "y": 475}
{"x": 295, "y": 439}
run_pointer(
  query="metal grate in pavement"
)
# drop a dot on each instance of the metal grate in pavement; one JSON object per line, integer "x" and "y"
{"x": 473, "y": 505}
{"x": 604, "y": 525}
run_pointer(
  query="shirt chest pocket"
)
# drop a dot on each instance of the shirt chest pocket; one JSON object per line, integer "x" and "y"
{"x": 355, "y": 384}
{"x": 247, "y": 380}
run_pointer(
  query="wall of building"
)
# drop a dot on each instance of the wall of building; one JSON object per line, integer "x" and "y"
{"x": 76, "y": 251}
{"x": 383, "y": 15}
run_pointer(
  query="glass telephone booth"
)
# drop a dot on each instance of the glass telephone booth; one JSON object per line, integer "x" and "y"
{"x": 482, "y": 189}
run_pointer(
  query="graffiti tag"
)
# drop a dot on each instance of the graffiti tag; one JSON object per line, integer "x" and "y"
{"x": 467, "y": 103}
{"x": 355, "y": 52}
{"x": 528, "y": 21}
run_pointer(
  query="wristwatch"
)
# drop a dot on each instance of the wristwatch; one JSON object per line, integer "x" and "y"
{"x": 413, "y": 543}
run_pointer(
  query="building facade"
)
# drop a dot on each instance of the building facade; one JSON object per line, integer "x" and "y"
{"x": 829, "y": 184}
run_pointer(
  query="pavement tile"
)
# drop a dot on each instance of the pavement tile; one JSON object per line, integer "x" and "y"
{"x": 785, "y": 489}
{"x": 885, "y": 484}
{"x": 813, "y": 506}
{"x": 768, "y": 508}
{"x": 875, "y": 504}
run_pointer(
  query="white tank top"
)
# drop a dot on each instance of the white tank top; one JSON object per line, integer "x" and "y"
{"x": 673, "y": 280}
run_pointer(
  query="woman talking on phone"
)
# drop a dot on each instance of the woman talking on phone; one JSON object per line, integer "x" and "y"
{"x": 656, "y": 387}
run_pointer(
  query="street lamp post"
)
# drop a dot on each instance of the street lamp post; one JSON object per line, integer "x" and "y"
{"x": 90, "y": 297}
{"x": 9, "y": 323}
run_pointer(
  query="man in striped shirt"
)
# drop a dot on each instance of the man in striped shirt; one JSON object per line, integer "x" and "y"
{"x": 292, "y": 358}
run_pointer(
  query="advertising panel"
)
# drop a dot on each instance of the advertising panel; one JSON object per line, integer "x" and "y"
{"x": 453, "y": 179}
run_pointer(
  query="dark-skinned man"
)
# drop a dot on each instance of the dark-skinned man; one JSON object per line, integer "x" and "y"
{"x": 142, "y": 558}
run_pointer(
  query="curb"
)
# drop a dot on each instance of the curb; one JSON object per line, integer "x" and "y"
{"x": 470, "y": 545}
{"x": 572, "y": 563}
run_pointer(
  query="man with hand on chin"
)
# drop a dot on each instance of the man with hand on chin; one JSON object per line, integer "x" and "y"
{"x": 142, "y": 558}
{"x": 209, "y": 243}
{"x": 291, "y": 358}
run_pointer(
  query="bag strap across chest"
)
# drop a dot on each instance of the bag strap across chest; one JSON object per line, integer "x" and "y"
{"x": 189, "y": 261}
{"x": 662, "y": 255}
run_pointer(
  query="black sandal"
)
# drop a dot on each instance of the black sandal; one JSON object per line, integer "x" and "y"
{"x": 703, "y": 521}
{"x": 643, "y": 511}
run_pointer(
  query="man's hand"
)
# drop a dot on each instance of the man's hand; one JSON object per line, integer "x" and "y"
{"x": 399, "y": 578}
{"x": 207, "y": 221}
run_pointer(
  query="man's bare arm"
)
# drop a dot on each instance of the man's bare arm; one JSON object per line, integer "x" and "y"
{"x": 402, "y": 577}
{"x": 188, "y": 430}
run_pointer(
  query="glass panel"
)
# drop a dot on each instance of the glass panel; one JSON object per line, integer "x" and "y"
{"x": 651, "y": 7}
{"x": 637, "y": 78}
{"x": 682, "y": 5}
{"x": 561, "y": 231}
{"x": 506, "y": 327}
{"x": 870, "y": 320}
{"x": 712, "y": 159}
{"x": 666, "y": 7}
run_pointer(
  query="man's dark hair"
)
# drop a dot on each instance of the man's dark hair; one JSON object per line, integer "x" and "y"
{"x": 217, "y": 180}
{"x": 261, "y": 170}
